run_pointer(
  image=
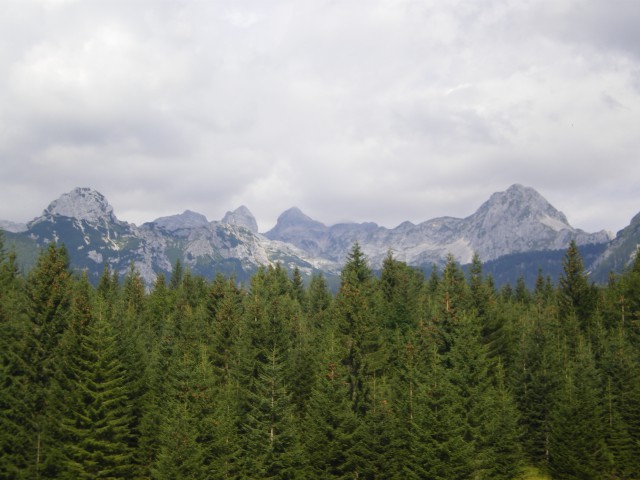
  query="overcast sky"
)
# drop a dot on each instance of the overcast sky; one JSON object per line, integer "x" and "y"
{"x": 351, "y": 110}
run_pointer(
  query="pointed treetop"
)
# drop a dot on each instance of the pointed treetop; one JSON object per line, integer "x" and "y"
{"x": 356, "y": 270}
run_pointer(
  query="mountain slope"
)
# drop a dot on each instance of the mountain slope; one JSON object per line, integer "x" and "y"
{"x": 514, "y": 221}
{"x": 85, "y": 222}
{"x": 521, "y": 220}
{"x": 510, "y": 223}
{"x": 619, "y": 253}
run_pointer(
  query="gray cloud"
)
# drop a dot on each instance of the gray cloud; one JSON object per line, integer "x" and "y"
{"x": 388, "y": 111}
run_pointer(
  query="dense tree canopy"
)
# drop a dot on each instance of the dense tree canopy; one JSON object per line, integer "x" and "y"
{"x": 393, "y": 376}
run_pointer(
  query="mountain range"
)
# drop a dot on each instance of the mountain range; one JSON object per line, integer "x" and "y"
{"x": 514, "y": 232}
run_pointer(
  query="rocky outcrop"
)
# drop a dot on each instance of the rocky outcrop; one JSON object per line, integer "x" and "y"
{"x": 241, "y": 217}
{"x": 510, "y": 222}
{"x": 514, "y": 221}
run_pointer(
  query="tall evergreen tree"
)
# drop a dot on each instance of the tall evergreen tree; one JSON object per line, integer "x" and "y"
{"x": 48, "y": 290}
{"x": 93, "y": 401}
{"x": 16, "y": 440}
{"x": 576, "y": 297}
{"x": 628, "y": 295}
{"x": 359, "y": 324}
{"x": 621, "y": 385}
{"x": 330, "y": 429}
{"x": 402, "y": 293}
{"x": 187, "y": 404}
{"x": 452, "y": 302}
{"x": 480, "y": 291}
{"x": 266, "y": 410}
{"x": 177, "y": 275}
{"x": 225, "y": 309}
{"x": 536, "y": 379}
{"x": 577, "y": 443}
{"x": 501, "y": 431}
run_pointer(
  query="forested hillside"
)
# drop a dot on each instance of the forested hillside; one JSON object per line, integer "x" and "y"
{"x": 395, "y": 376}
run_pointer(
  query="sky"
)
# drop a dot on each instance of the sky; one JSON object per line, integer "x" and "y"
{"x": 383, "y": 111}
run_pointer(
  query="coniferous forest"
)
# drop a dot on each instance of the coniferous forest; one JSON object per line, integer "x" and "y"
{"x": 393, "y": 376}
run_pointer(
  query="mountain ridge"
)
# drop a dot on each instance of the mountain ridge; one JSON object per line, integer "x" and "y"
{"x": 517, "y": 220}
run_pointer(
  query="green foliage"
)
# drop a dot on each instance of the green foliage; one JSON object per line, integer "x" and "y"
{"x": 575, "y": 296}
{"x": 393, "y": 377}
{"x": 578, "y": 449}
{"x": 92, "y": 397}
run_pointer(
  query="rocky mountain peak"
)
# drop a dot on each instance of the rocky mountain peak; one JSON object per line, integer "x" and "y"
{"x": 82, "y": 204}
{"x": 521, "y": 205}
{"x": 294, "y": 217}
{"x": 185, "y": 220}
{"x": 292, "y": 223}
{"x": 241, "y": 217}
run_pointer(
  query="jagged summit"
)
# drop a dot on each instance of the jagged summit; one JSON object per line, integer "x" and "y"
{"x": 242, "y": 217}
{"x": 82, "y": 204}
{"x": 521, "y": 205}
{"x": 518, "y": 220}
{"x": 185, "y": 220}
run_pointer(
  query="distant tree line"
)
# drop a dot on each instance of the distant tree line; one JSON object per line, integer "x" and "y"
{"x": 394, "y": 376}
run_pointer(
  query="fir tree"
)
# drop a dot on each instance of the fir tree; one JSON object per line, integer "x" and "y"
{"x": 577, "y": 441}
{"x": 502, "y": 432}
{"x": 93, "y": 401}
{"x": 453, "y": 300}
{"x": 359, "y": 324}
{"x": 330, "y": 429}
{"x": 48, "y": 291}
{"x": 266, "y": 410}
{"x": 16, "y": 394}
{"x": 576, "y": 298}
{"x": 401, "y": 288}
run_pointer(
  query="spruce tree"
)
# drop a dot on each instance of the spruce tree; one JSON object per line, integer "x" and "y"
{"x": 224, "y": 309}
{"x": 576, "y": 297}
{"x": 16, "y": 440}
{"x": 401, "y": 288}
{"x": 329, "y": 432}
{"x": 48, "y": 291}
{"x": 93, "y": 398}
{"x": 536, "y": 377}
{"x": 628, "y": 294}
{"x": 357, "y": 308}
{"x": 479, "y": 290}
{"x": 577, "y": 442}
{"x": 187, "y": 414}
{"x": 621, "y": 385}
{"x": 266, "y": 420}
{"x": 501, "y": 431}
{"x": 452, "y": 302}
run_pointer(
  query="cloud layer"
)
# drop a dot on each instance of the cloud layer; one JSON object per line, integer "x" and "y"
{"x": 387, "y": 110}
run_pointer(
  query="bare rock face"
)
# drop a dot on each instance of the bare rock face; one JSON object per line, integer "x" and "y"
{"x": 514, "y": 221}
{"x": 83, "y": 204}
{"x": 241, "y": 217}
{"x": 183, "y": 221}
{"x": 518, "y": 220}
{"x": 521, "y": 220}
{"x": 620, "y": 253}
